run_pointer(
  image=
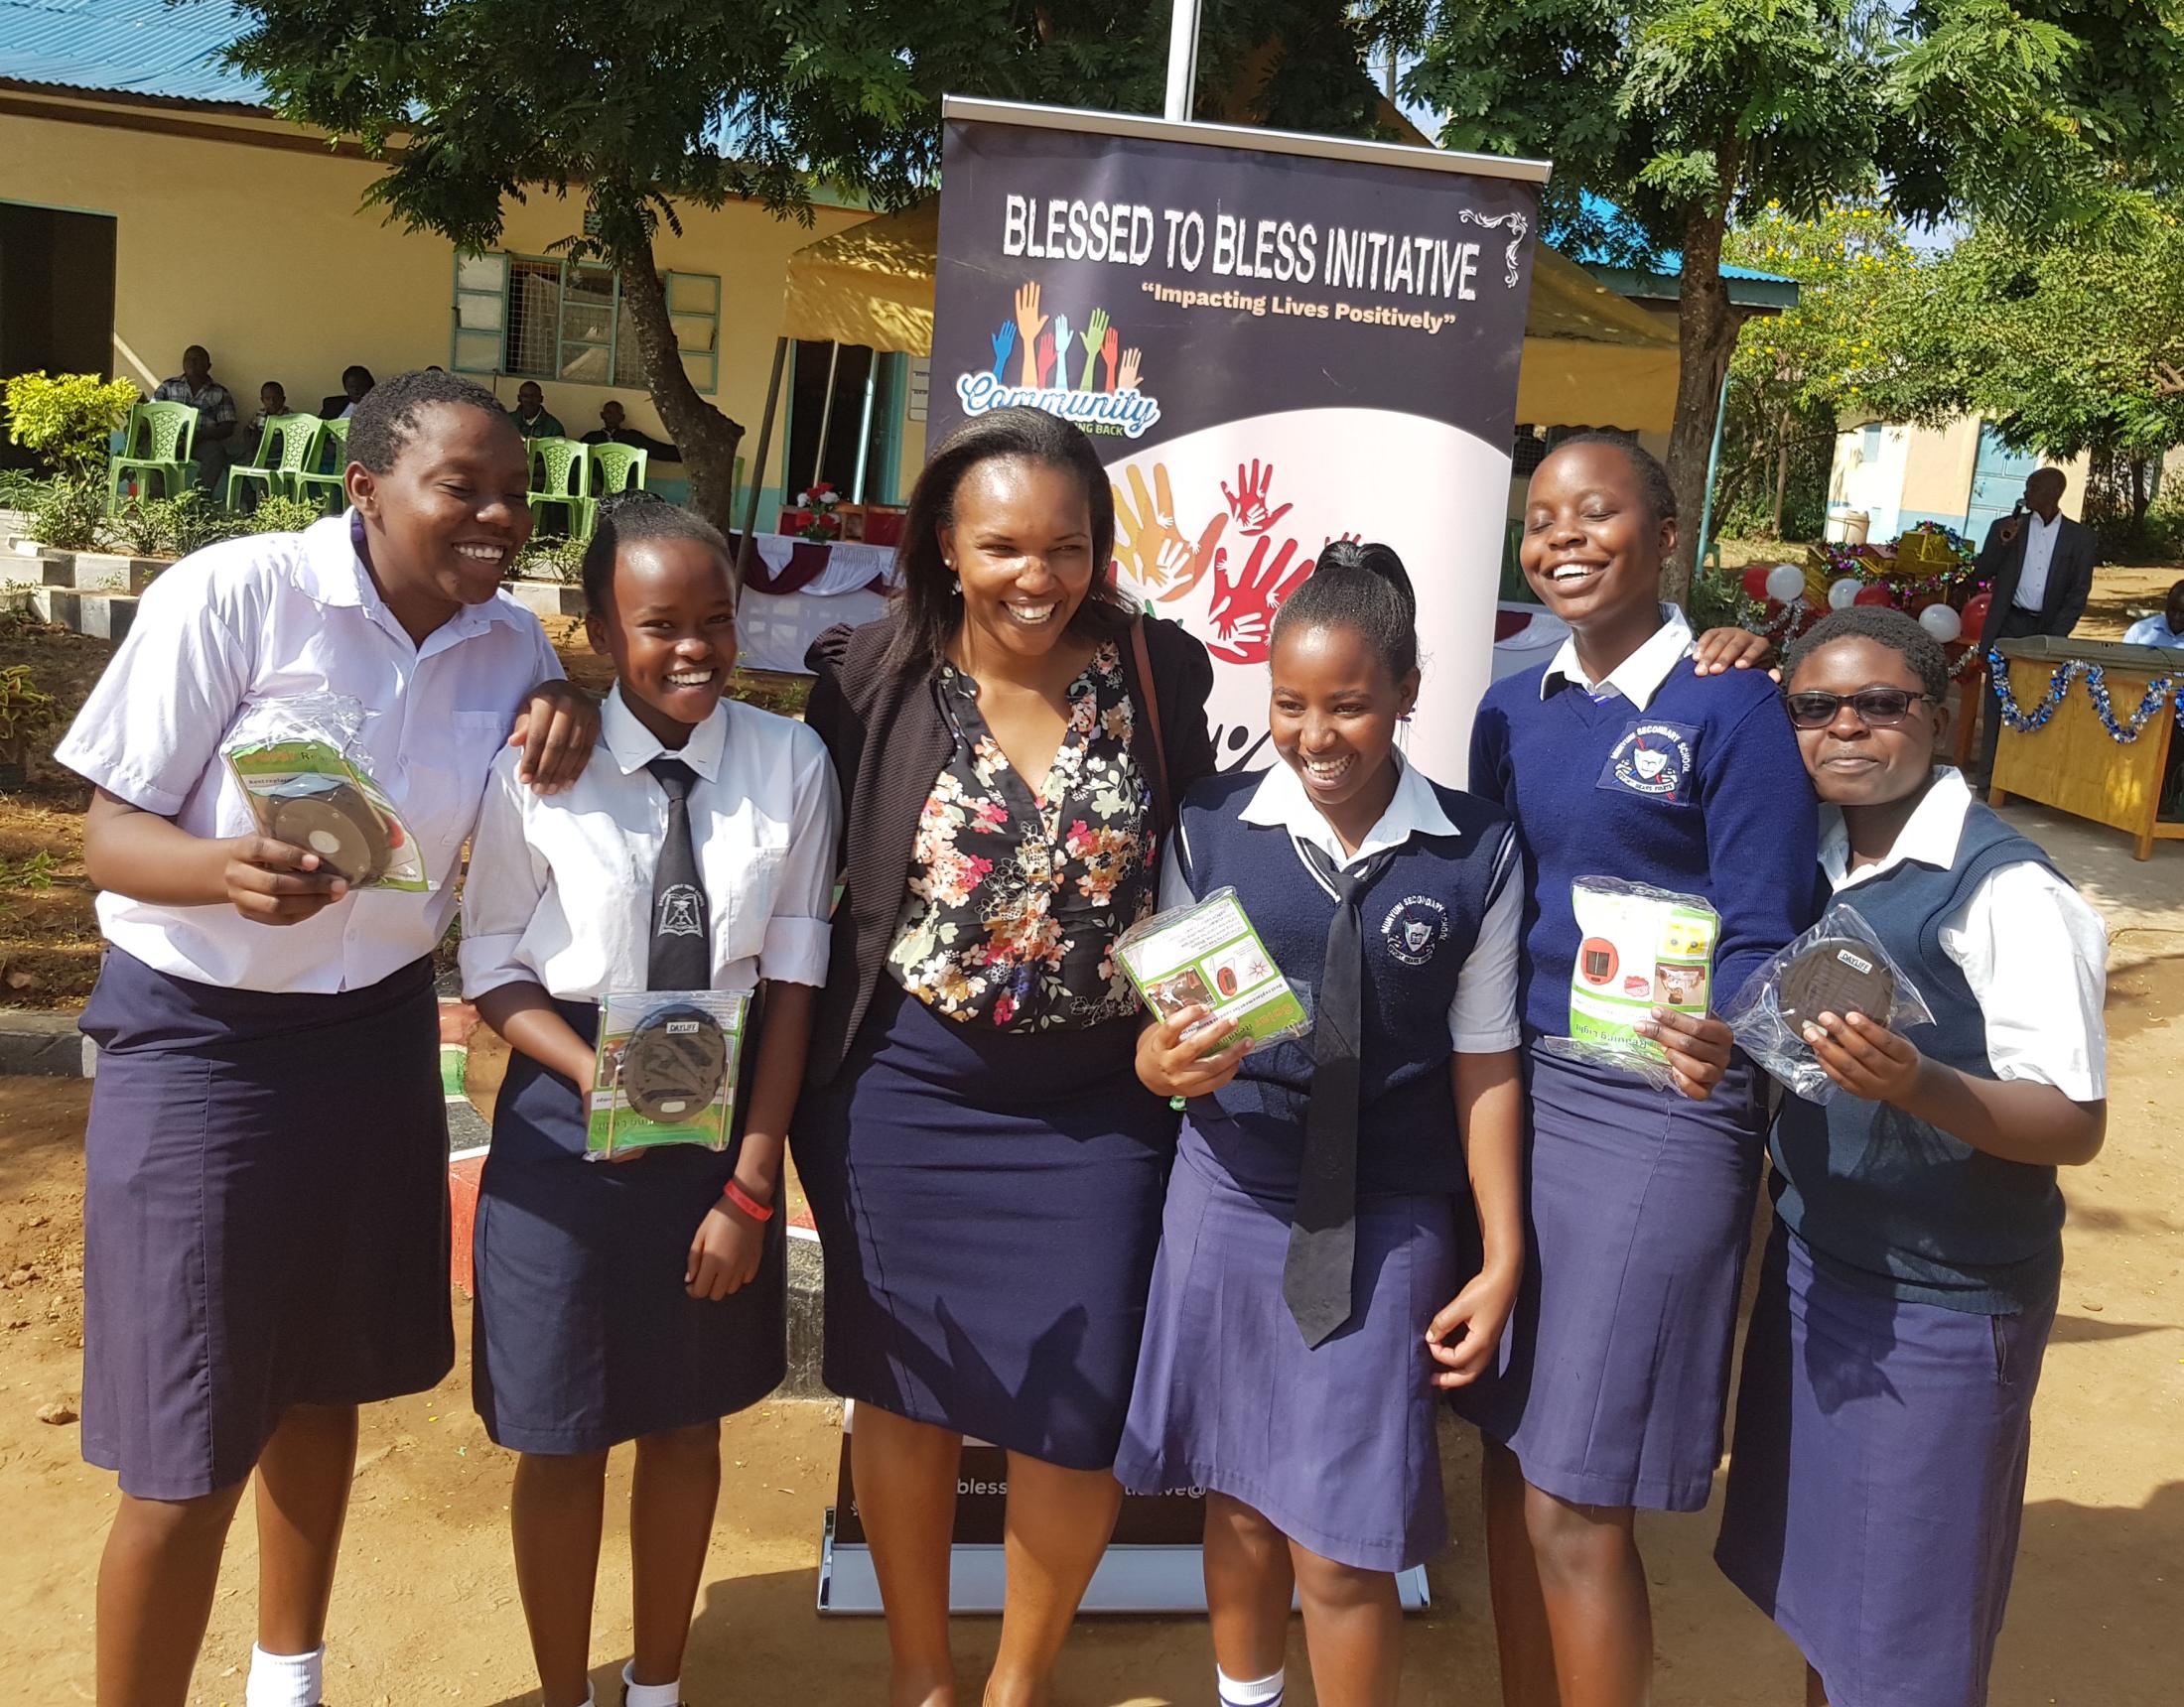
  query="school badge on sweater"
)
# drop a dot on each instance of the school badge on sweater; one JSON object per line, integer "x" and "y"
{"x": 1652, "y": 758}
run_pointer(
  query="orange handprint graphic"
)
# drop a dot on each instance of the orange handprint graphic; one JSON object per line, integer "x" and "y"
{"x": 1150, "y": 544}
{"x": 1029, "y": 323}
{"x": 1242, "y": 612}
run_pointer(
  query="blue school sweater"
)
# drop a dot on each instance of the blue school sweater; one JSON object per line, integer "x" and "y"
{"x": 1419, "y": 920}
{"x": 1702, "y": 792}
{"x": 1886, "y": 1202}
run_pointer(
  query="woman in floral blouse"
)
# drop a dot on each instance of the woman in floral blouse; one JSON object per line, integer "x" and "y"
{"x": 986, "y": 1170}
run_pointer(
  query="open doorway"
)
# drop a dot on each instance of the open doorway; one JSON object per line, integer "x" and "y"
{"x": 57, "y": 297}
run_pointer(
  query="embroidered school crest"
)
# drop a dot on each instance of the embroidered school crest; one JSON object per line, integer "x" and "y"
{"x": 1652, "y": 758}
{"x": 1415, "y": 927}
{"x": 680, "y": 913}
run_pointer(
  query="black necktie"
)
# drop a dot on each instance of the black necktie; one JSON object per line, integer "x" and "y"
{"x": 1316, "y": 1276}
{"x": 682, "y": 938}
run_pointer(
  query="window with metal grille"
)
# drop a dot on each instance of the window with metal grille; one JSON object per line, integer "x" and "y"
{"x": 530, "y": 318}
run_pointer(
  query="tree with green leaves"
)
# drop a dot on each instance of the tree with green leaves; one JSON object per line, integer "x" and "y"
{"x": 637, "y": 109}
{"x": 1688, "y": 114}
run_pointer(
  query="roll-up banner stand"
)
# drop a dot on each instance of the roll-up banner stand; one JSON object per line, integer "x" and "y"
{"x": 1275, "y": 340}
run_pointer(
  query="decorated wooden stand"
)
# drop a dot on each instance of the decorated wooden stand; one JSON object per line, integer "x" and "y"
{"x": 2069, "y": 759}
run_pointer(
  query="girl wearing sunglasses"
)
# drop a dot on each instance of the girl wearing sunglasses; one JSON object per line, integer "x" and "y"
{"x": 1908, "y": 1286}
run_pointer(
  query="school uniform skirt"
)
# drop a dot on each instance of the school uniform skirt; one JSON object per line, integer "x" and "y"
{"x": 265, "y": 1216}
{"x": 584, "y": 1335}
{"x": 989, "y": 1204}
{"x": 1877, "y": 1479}
{"x": 1332, "y": 1444}
{"x": 1615, "y": 1368}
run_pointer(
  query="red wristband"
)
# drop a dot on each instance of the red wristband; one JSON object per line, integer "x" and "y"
{"x": 750, "y": 1205}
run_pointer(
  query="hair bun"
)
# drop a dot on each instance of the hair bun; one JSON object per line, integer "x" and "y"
{"x": 1348, "y": 556}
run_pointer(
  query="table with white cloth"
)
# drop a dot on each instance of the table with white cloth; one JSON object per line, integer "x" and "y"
{"x": 795, "y": 589}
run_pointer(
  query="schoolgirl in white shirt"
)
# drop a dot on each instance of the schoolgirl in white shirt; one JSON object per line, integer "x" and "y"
{"x": 643, "y": 1301}
{"x": 265, "y": 1210}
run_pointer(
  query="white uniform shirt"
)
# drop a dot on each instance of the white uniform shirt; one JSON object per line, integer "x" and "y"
{"x": 1638, "y": 677}
{"x": 2033, "y": 950}
{"x": 2040, "y": 538}
{"x": 1483, "y": 1016}
{"x": 560, "y": 890}
{"x": 275, "y": 615}
{"x": 2152, "y": 631}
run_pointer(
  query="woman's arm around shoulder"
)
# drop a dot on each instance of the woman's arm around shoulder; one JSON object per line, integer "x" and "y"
{"x": 1183, "y": 680}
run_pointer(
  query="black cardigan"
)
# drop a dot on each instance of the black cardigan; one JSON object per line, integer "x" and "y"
{"x": 888, "y": 740}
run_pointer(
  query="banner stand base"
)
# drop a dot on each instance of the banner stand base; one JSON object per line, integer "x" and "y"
{"x": 1145, "y": 1580}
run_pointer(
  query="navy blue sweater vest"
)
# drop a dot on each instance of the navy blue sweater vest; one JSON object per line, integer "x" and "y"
{"x": 1421, "y": 917}
{"x": 1887, "y": 1202}
{"x": 1702, "y": 792}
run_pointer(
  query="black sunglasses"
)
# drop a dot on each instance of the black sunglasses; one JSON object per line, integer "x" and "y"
{"x": 1876, "y": 707}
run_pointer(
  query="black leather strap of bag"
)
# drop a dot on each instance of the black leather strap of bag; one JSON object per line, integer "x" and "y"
{"x": 1163, "y": 807}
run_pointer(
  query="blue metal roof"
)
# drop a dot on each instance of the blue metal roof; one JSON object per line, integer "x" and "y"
{"x": 135, "y": 47}
{"x": 1668, "y": 263}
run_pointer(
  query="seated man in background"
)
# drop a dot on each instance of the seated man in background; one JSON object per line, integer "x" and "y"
{"x": 530, "y": 416}
{"x": 356, "y": 385}
{"x": 217, "y": 444}
{"x": 613, "y": 428}
{"x": 2166, "y": 629}
{"x": 272, "y": 401}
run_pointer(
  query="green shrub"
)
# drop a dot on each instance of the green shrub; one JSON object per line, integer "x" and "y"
{"x": 71, "y": 513}
{"x": 68, "y": 419}
{"x": 1717, "y": 601}
{"x": 279, "y": 515}
{"x": 549, "y": 559}
{"x": 24, "y": 710}
{"x": 20, "y": 489}
{"x": 170, "y": 527}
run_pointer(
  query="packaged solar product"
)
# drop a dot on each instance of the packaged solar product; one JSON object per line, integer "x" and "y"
{"x": 665, "y": 1070}
{"x": 293, "y": 759}
{"x": 1209, "y": 956}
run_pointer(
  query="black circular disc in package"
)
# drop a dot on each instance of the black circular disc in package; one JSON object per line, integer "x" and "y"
{"x": 1840, "y": 975}
{"x": 674, "y": 1064}
{"x": 332, "y": 819}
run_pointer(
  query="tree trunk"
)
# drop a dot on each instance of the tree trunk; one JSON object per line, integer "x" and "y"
{"x": 707, "y": 439}
{"x": 2141, "y": 498}
{"x": 1782, "y": 472}
{"x": 1706, "y": 330}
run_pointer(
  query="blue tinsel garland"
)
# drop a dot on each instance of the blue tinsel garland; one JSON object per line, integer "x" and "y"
{"x": 2097, "y": 686}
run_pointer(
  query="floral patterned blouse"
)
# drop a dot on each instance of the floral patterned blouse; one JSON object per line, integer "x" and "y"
{"x": 1016, "y": 896}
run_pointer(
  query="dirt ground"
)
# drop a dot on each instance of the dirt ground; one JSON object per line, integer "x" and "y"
{"x": 426, "y": 1608}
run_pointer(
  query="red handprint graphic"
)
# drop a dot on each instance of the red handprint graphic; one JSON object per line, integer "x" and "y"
{"x": 1248, "y": 503}
{"x": 1242, "y": 612}
{"x": 1046, "y": 357}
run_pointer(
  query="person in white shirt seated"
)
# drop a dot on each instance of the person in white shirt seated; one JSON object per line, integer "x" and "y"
{"x": 641, "y": 1302}
{"x": 2164, "y": 629}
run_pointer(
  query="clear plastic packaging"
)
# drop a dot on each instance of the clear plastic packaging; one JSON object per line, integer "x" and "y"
{"x": 665, "y": 1070}
{"x": 1838, "y": 967}
{"x": 292, "y": 759}
{"x": 1208, "y": 955}
{"x": 1639, "y": 948}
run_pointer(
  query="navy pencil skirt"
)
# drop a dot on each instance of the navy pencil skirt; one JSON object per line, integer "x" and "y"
{"x": 1615, "y": 1368}
{"x": 990, "y": 1206}
{"x": 265, "y": 1216}
{"x": 583, "y": 1335}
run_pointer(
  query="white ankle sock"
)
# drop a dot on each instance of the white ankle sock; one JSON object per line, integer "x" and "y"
{"x": 285, "y": 1680}
{"x": 1260, "y": 1692}
{"x": 649, "y": 1694}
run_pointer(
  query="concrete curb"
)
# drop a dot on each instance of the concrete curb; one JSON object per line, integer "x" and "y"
{"x": 37, "y": 1045}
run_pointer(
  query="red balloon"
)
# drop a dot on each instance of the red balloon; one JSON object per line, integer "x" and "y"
{"x": 1755, "y": 581}
{"x": 1975, "y": 617}
{"x": 1875, "y": 595}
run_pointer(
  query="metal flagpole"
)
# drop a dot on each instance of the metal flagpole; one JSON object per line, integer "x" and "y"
{"x": 1182, "y": 58}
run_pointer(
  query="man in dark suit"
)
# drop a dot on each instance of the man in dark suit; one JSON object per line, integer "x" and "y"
{"x": 2041, "y": 563}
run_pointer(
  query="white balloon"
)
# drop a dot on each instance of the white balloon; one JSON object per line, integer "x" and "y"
{"x": 1942, "y": 622}
{"x": 1785, "y": 582}
{"x": 1843, "y": 593}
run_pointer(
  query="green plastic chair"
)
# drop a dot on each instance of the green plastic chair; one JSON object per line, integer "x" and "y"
{"x": 616, "y": 468}
{"x": 290, "y": 447}
{"x": 561, "y": 473}
{"x": 161, "y": 439}
{"x": 329, "y": 489}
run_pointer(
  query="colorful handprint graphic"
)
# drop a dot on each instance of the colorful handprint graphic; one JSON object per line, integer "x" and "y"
{"x": 1029, "y": 325}
{"x": 1095, "y": 336}
{"x": 1242, "y": 612}
{"x": 1149, "y": 544}
{"x": 1248, "y": 503}
{"x": 1005, "y": 341}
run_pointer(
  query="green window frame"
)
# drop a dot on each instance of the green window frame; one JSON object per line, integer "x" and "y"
{"x": 592, "y": 340}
